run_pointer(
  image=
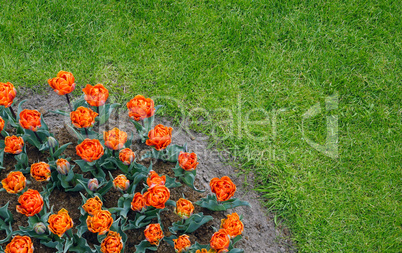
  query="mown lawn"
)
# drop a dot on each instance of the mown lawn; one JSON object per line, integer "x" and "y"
{"x": 269, "y": 61}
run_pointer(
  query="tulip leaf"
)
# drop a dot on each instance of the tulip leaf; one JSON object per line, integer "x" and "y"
{"x": 211, "y": 203}
{"x": 81, "y": 245}
{"x": 171, "y": 182}
{"x": 64, "y": 113}
{"x": 19, "y": 110}
{"x": 77, "y": 134}
{"x": 143, "y": 246}
{"x": 106, "y": 188}
{"x": 60, "y": 150}
{"x": 196, "y": 246}
{"x": 169, "y": 239}
{"x": 191, "y": 224}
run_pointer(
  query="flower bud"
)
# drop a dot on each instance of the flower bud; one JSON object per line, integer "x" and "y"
{"x": 121, "y": 183}
{"x": 40, "y": 228}
{"x": 63, "y": 166}
{"x": 93, "y": 184}
{"x": 52, "y": 142}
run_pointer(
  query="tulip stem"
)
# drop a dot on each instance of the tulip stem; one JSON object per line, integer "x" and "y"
{"x": 86, "y": 132}
{"x": 114, "y": 153}
{"x": 37, "y": 137}
{"x": 68, "y": 102}
{"x": 13, "y": 113}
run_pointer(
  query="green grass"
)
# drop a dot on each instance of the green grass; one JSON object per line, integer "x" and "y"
{"x": 249, "y": 54}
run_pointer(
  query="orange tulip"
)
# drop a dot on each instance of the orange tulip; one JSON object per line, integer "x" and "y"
{"x": 154, "y": 179}
{"x": 59, "y": 223}
{"x": 224, "y": 188}
{"x": 14, "y": 182}
{"x": 184, "y": 208}
{"x": 138, "y": 203}
{"x": 63, "y": 84}
{"x": 115, "y": 139}
{"x": 31, "y": 203}
{"x": 153, "y": 234}
{"x": 20, "y": 244}
{"x": 160, "y": 137}
{"x": 113, "y": 243}
{"x": 232, "y": 225}
{"x": 220, "y": 241}
{"x": 182, "y": 243}
{"x": 96, "y": 95}
{"x": 188, "y": 161}
{"x": 140, "y": 108}
{"x": 41, "y": 171}
{"x": 90, "y": 150}
{"x": 157, "y": 196}
{"x": 30, "y": 119}
{"x": 7, "y": 94}
{"x": 92, "y": 205}
{"x": 14, "y": 144}
{"x": 2, "y": 122}
{"x": 100, "y": 222}
{"x": 83, "y": 117}
{"x": 126, "y": 156}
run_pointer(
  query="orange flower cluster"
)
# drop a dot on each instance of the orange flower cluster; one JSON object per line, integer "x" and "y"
{"x": 138, "y": 204}
{"x": 115, "y": 139}
{"x": 113, "y": 243}
{"x": 31, "y": 203}
{"x": 184, "y": 208}
{"x": 83, "y": 117}
{"x": 154, "y": 179}
{"x": 188, "y": 161}
{"x": 160, "y": 137}
{"x": 7, "y": 94}
{"x": 126, "y": 156}
{"x": 121, "y": 183}
{"x": 182, "y": 243}
{"x": 96, "y": 95}
{"x": 90, "y": 150}
{"x": 224, "y": 188}
{"x": 232, "y": 225}
{"x": 14, "y": 182}
{"x": 63, "y": 84}
{"x": 92, "y": 205}
{"x": 153, "y": 234}
{"x": 19, "y": 244}
{"x": 40, "y": 171}
{"x": 30, "y": 119}
{"x": 14, "y": 144}
{"x": 140, "y": 108}
{"x": 59, "y": 223}
{"x": 99, "y": 220}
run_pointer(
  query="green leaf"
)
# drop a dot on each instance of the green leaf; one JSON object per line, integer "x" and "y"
{"x": 60, "y": 150}
{"x": 191, "y": 224}
{"x": 64, "y": 113}
{"x": 19, "y": 110}
{"x": 211, "y": 203}
{"x": 143, "y": 246}
{"x": 81, "y": 245}
{"x": 77, "y": 134}
{"x": 171, "y": 182}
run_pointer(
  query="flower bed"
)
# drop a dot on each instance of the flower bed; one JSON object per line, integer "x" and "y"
{"x": 104, "y": 198}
